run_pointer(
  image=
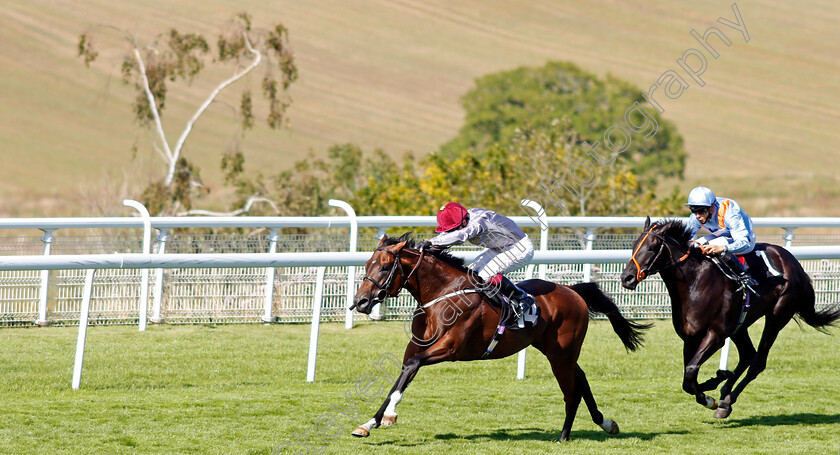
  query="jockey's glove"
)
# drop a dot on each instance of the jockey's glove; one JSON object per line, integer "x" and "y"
{"x": 424, "y": 245}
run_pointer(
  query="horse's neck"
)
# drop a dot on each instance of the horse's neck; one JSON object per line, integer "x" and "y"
{"x": 678, "y": 281}
{"x": 687, "y": 279}
{"x": 431, "y": 281}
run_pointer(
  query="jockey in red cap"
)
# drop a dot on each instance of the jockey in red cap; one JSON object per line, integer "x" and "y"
{"x": 507, "y": 247}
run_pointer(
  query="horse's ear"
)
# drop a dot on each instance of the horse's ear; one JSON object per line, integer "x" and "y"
{"x": 382, "y": 240}
{"x": 647, "y": 223}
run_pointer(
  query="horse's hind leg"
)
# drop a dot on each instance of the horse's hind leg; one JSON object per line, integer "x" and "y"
{"x": 758, "y": 362}
{"x": 564, "y": 369}
{"x": 583, "y": 386}
{"x": 746, "y": 352}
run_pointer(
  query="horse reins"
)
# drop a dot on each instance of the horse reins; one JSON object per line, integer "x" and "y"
{"x": 642, "y": 273}
{"x": 383, "y": 288}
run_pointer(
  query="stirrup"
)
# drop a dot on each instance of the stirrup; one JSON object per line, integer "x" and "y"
{"x": 747, "y": 282}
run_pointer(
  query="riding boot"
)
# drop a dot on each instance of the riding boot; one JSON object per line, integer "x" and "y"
{"x": 744, "y": 277}
{"x": 521, "y": 298}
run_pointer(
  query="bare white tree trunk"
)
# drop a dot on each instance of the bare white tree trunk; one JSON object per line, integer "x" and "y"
{"x": 153, "y": 106}
{"x": 245, "y": 209}
{"x": 170, "y": 175}
{"x": 171, "y": 155}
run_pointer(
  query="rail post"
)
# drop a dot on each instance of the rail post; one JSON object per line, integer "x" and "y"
{"x": 84, "y": 315}
{"x": 269, "y": 280}
{"x": 316, "y": 325}
{"x": 788, "y": 237}
{"x": 529, "y": 271}
{"x": 351, "y": 270}
{"x": 43, "y": 300}
{"x": 144, "y": 273}
{"x": 589, "y": 237}
{"x": 162, "y": 237}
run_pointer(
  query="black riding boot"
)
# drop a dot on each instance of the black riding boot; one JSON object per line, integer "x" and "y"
{"x": 743, "y": 276}
{"x": 521, "y": 298}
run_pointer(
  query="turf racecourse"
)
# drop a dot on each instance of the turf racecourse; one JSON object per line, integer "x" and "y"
{"x": 241, "y": 389}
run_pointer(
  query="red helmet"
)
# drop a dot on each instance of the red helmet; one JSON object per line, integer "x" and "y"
{"x": 450, "y": 216}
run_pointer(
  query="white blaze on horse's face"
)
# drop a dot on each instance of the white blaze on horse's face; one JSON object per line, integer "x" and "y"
{"x": 375, "y": 285}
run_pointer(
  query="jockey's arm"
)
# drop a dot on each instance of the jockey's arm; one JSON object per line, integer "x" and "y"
{"x": 739, "y": 232}
{"x": 457, "y": 236}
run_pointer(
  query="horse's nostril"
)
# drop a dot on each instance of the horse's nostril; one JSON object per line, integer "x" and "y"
{"x": 360, "y": 304}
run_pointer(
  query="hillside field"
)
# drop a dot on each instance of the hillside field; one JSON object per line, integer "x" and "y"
{"x": 763, "y": 129}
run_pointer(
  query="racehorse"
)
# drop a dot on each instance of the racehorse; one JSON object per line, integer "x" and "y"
{"x": 707, "y": 306}
{"x": 454, "y": 321}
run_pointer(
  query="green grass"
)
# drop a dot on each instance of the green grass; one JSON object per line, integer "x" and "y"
{"x": 241, "y": 389}
{"x": 390, "y": 73}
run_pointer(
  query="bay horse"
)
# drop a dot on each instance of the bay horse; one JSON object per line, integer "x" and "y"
{"x": 707, "y": 306}
{"x": 455, "y": 322}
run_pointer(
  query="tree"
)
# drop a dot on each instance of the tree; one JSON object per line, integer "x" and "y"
{"x": 524, "y": 129}
{"x": 177, "y": 56}
{"x": 561, "y": 94}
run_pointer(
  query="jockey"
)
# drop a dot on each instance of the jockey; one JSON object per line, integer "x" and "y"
{"x": 730, "y": 227}
{"x": 507, "y": 247}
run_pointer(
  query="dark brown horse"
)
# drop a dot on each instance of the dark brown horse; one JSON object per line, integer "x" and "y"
{"x": 451, "y": 325}
{"x": 706, "y": 306}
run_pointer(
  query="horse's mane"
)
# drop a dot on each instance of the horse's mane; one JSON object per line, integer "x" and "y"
{"x": 443, "y": 255}
{"x": 674, "y": 228}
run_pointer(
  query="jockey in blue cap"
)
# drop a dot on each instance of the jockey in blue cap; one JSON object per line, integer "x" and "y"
{"x": 731, "y": 230}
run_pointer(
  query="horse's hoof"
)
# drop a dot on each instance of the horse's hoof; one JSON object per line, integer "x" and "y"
{"x": 361, "y": 432}
{"x": 711, "y": 403}
{"x": 609, "y": 426}
{"x": 387, "y": 420}
{"x": 723, "y": 412}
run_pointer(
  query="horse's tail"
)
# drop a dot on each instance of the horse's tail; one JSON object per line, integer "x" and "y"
{"x": 598, "y": 302}
{"x": 802, "y": 289}
{"x": 820, "y": 320}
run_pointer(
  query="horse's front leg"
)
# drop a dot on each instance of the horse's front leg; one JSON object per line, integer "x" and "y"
{"x": 388, "y": 407}
{"x": 387, "y": 414}
{"x": 695, "y": 355}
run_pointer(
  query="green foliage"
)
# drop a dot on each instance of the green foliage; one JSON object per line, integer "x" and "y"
{"x": 86, "y": 50}
{"x": 181, "y": 59}
{"x": 537, "y": 98}
{"x": 160, "y": 198}
{"x": 523, "y": 136}
{"x": 246, "y": 110}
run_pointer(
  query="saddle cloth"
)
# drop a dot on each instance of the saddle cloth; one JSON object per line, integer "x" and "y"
{"x": 524, "y": 321}
{"x": 758, "y": 264}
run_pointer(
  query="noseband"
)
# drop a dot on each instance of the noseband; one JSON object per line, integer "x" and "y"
{"x": 642, "y": 273}
{"x": 389, "y": 281}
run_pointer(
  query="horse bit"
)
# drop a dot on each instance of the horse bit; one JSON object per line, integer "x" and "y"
{"x": 383, "y": 288}
{"x": 642, "y": 273}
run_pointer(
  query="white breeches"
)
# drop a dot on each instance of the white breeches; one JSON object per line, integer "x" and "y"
{"x": 493, "y": 261}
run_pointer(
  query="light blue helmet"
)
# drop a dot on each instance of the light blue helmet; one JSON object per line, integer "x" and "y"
{"x": 701, "y": 196}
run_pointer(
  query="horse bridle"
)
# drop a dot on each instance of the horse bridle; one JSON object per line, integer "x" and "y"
{"x": 389, "y": 281}
{"x": 642, "y": 273}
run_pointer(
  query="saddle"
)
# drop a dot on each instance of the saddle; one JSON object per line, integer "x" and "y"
{"x": 759, "y": 265}
{"x": 510, "y": 317}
